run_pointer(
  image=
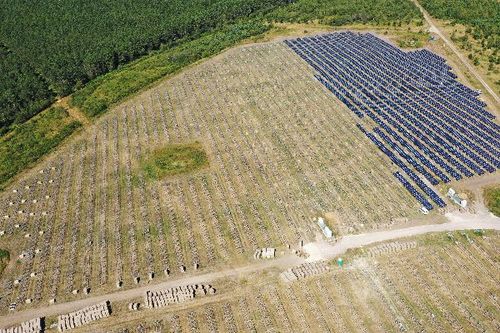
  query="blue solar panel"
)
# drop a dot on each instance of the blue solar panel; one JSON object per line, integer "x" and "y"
{"x": 429, "y": 121}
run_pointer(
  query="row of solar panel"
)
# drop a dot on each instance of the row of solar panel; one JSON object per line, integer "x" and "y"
{"x": 442, "y": 142}
{"x": 419, "y": 72}
{"x": 481, "y": 153}
{"x": 414, "y": 94}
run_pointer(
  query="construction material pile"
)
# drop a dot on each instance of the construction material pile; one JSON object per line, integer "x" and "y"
{"x": 305, "y": 270}
{"x": 176, "y": 295}
{"x": 83, "y": 316}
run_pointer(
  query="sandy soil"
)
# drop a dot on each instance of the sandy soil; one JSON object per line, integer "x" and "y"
{"x": 317, "y": 250}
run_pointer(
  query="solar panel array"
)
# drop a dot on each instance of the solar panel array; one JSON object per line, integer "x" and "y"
{"x": 424, "y": 120}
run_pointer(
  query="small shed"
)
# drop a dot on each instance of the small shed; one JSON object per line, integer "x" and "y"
{"x": 326, "y": 231}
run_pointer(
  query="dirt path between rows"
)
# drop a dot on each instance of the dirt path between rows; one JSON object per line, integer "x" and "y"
{"x": 317, "y": 251}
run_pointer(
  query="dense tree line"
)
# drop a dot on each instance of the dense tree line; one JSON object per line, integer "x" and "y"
{"x": 55, "y": 47}
{"x": 341, "y": 12}
{"x": 72, "y": 42}
{"x": 22, "y": 91}
{"x": 482, "y": 15}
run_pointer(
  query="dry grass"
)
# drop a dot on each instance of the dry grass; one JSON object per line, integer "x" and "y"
{"x": 491, "y": 197}
{"x": 423, "y": 288}
{"x": 282, "y": 150}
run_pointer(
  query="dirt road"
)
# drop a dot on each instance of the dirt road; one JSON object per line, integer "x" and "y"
{"x": 122, "y": 295}
{"x": 458, "y": 221}
{"x": 317, "y": 251}
{"x": 434, "y": 29}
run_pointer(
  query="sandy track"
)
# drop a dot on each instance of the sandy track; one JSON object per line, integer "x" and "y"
{"x": 435, "y": 29}
{"x": 122, "y": 295}
{"x": 317, "y": 251}
{"x": 458, "y": 221}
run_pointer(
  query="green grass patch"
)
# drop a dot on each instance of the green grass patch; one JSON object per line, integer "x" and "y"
{"x": 491, "y": 197}
{"x": 4, "y": 260}
{"x": 413, "y": 39}
{"x": 29, "y": 141}
{"x": 97, "y": 96}
{"x": 174, "y": 160}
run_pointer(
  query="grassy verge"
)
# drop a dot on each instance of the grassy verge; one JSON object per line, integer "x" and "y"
{"x": 31, "y": 140}
{"x": 492, "y": 199}
{"x": 4, "y": 260}
{"x": 412, "y": 39}
{"x": 174, "y": 160}
{"x": 109, "y": 89}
